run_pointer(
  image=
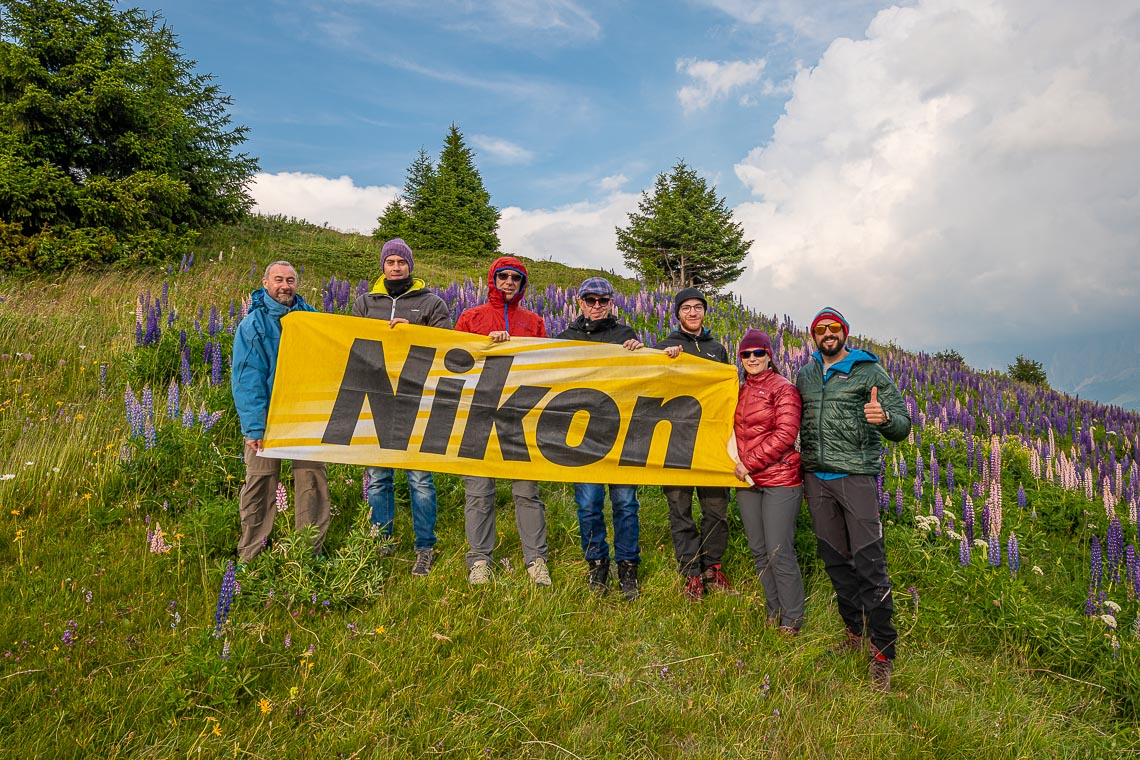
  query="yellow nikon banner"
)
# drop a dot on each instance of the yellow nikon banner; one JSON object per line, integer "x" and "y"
{"x": 361, "y": 391}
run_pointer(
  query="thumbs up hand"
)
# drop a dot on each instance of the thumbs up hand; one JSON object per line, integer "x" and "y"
{"x": 873, "y": 410}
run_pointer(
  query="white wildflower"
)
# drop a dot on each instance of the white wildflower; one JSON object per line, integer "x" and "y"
{"x": 1038, "y": 570}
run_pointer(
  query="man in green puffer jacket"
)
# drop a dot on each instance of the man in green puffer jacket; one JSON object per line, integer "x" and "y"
{"x": 849, "y": 401}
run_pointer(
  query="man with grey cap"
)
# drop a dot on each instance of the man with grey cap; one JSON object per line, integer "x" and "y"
{"x": 596, "y": 323}
{"x": 402, "y": 299}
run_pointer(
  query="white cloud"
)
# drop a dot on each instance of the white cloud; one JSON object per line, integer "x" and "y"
{"x": 339, "y": 202}
{"x": 581, "y": 234}
{"x": 715, "y": 80}
{"x": 500, "y": 150}
{"x": 966, "y": 173}
{"x": 820, "y": 21}
{"x": 612, "y": 183}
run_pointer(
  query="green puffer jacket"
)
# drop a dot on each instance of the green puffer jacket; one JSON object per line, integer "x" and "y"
{"x": 834, "y": 433}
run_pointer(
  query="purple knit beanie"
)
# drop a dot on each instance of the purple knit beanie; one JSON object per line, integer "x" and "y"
{"x": 397, "y": 247}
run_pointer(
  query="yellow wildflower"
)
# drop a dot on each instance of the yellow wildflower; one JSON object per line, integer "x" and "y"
{"x": 379, "y": 630}
{"x": 265, "y": 705}
{"x": 19, "y": 534}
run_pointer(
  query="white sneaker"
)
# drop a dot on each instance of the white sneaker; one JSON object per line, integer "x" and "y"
{"x": 480, "y": 573}
{"x": 539, "y": 573}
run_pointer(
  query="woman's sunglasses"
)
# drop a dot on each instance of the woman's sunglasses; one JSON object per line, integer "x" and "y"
{"x": 758, "y": 353}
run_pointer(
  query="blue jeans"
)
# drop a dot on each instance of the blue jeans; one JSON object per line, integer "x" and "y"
{"x": 591, "y": 498}
{"x": 382, "y": 500}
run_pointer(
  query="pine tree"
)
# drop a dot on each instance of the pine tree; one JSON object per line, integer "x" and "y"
{"x": 111, "y": 146}
{"x": 683, "y": 234}
{"x": 446, "y": 207}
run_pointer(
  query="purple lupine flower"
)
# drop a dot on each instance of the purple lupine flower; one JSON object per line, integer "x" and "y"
{"x": 994, "y": 550}
{"x": 150, "y": 435}
{"x": 187, "y": 418}
{"x": 225, "y": 598}
{"x": 216, "y": 368}
{"x": 102, "y": 375}
{"x": 1114, "y": 549}
{"x": 68, "y": 637}
{"x": 1012, "y": 554}
{"x": 964, "y": 552}
{"x": 968, "y": 517}
{"x": 1096, "y": 565}
{"x": 282, "y": 498}
{"x": 899, "y": 500}
{"x": 173, "y": 400}
{"x": 1020, "y": 496}
{"x": 365, "y": 482}
{"x": 185, "y": 374}
{"x": 950, "y": 476}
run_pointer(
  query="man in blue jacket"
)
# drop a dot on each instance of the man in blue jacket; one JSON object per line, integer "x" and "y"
{"x": 254, "y": 362}
{"x": 849, "y": 404}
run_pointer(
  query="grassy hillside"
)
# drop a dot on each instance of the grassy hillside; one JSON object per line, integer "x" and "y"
{"x": 115, "y": 532}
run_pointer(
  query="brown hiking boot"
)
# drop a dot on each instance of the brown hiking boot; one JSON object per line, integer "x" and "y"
{"x": 849, "y": 644}
{"x": 694, "y": 589}
{"x": 881, "y": 674}
{"x": 716, "y": 580}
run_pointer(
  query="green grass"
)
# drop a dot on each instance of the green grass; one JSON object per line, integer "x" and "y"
{"x": 989, "y": 665}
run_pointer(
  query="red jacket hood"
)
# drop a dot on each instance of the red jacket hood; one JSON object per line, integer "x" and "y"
{"x": 494, "y": 295}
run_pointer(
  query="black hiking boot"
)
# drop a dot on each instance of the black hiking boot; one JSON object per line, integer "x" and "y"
{"x": 627, "y": 580}
{"x": 599, "y": 574}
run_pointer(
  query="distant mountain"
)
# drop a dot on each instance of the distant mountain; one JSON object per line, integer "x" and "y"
{"x": 1100, "y": 367}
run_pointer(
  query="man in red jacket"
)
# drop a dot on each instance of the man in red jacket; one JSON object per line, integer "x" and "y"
{"x": 500, "y": 318}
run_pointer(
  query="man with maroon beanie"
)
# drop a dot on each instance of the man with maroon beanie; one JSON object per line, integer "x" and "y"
{"x": 849, "y": 404}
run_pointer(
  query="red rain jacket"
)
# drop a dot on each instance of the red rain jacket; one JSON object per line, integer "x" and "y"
{"x": 767, "y": 422}
{"x": 497, "y": 314}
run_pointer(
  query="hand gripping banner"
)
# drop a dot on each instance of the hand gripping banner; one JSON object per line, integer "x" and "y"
{"x": 360, "y": 391}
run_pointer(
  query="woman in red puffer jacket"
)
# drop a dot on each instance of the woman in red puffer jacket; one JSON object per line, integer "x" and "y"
{"x": 767, "y": 423}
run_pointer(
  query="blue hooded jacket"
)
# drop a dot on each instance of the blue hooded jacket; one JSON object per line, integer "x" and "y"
{"x": 255, "y": 359}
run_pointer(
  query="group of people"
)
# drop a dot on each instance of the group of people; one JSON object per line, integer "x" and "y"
{"x": 817, "y": 437}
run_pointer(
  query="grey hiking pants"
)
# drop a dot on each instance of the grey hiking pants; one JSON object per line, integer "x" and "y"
{"x": 769, "y": 517}
{"x": 479, "y": 518}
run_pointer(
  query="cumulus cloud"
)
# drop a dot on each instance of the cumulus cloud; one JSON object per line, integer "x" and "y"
{"x": 612, "y": 183}
{"x": 715, "y": 80}
{"x": 339, "y": 202}
{"x": 503, "y": 151}
{"x": 964, "y": 174}
{"x": 581, "y": 234}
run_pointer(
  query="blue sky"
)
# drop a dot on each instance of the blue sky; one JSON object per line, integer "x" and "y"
{"x": 949, "y": 173}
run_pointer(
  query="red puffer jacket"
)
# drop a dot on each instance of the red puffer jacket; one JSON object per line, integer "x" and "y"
{"x": 767, "y": 422}
{"x": 497, "y": 314}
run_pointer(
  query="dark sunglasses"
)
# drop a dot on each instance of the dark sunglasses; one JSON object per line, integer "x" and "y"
{"x": 512, "y": 276}
{"x": 834, "y": 327}
{"x": 597, "y": 300}
{"x": 759, "y": 353}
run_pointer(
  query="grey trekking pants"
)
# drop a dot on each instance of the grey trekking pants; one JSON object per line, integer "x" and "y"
{"x": 479, "y": 518}
{"x": 769, "y": 517}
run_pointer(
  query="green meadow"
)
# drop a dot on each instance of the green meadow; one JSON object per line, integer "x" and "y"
{"x": 111, "y": 644}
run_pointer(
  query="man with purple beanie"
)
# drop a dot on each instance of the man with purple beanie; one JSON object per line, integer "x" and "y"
{"x": 849, "y": 404}
{"x": 402, "y": 299}
{"x": 596, "y": 323}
